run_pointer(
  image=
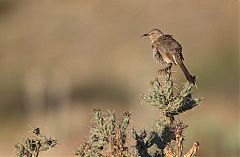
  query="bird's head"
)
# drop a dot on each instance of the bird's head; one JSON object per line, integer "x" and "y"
{"x": 154, "y": 34}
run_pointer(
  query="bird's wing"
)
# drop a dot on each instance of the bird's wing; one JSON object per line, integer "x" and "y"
{"x": 173, "y": 51}
{"x": 173, "y": 47}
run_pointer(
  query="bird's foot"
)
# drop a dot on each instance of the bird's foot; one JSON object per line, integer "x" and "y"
{"x": 165, "y": 69}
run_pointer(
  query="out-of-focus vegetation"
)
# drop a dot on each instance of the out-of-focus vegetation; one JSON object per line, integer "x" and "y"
{"x": 107, "y": 137}
{"x": 59, "y": 59}
{"x": 32, "y": 146}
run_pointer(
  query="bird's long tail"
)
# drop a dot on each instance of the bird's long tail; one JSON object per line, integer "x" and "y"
{"x": 189, "y": 77}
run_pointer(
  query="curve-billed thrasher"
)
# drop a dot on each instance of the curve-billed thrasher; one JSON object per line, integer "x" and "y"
{"x": 167, "y": 50}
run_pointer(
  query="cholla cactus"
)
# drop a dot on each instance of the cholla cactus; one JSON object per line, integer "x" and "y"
{"x": 106, "y": 137}
{"x": 31, "y": 147}
{"x": 170, "y": 102}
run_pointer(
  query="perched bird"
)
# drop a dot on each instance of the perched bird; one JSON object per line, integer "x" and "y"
{"x": 167, "y": 50}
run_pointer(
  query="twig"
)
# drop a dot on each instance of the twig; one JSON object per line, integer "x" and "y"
{"x": 193, "y": 150}
{"x": 168, "y": 151}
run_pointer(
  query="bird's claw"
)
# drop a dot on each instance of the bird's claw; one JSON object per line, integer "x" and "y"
{"x": 160, "y": 71}
{"x": 167, "y": 68}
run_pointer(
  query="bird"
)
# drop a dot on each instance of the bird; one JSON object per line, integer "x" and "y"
{"x": 166, "y": 50}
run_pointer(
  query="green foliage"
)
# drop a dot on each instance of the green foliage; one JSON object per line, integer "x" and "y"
{"x": 32, "y": 146}
{"x": 106, "y": 137}
{"x": 168, "y": 101}
{"x": 109, "y": 139}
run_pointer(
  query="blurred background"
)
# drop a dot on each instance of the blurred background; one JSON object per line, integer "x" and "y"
{"x": 59, "y": 59}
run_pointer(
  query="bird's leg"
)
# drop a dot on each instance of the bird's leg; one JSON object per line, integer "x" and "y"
{"x": 168, "y": 67}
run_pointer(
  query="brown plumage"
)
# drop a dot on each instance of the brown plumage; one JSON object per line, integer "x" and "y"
{"x": 167, "y": 50}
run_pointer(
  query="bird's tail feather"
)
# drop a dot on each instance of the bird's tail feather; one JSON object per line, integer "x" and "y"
{"x": 189, "y": 77}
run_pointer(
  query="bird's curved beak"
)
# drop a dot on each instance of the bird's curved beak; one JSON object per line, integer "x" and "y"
{"x": 144, "y": 35}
